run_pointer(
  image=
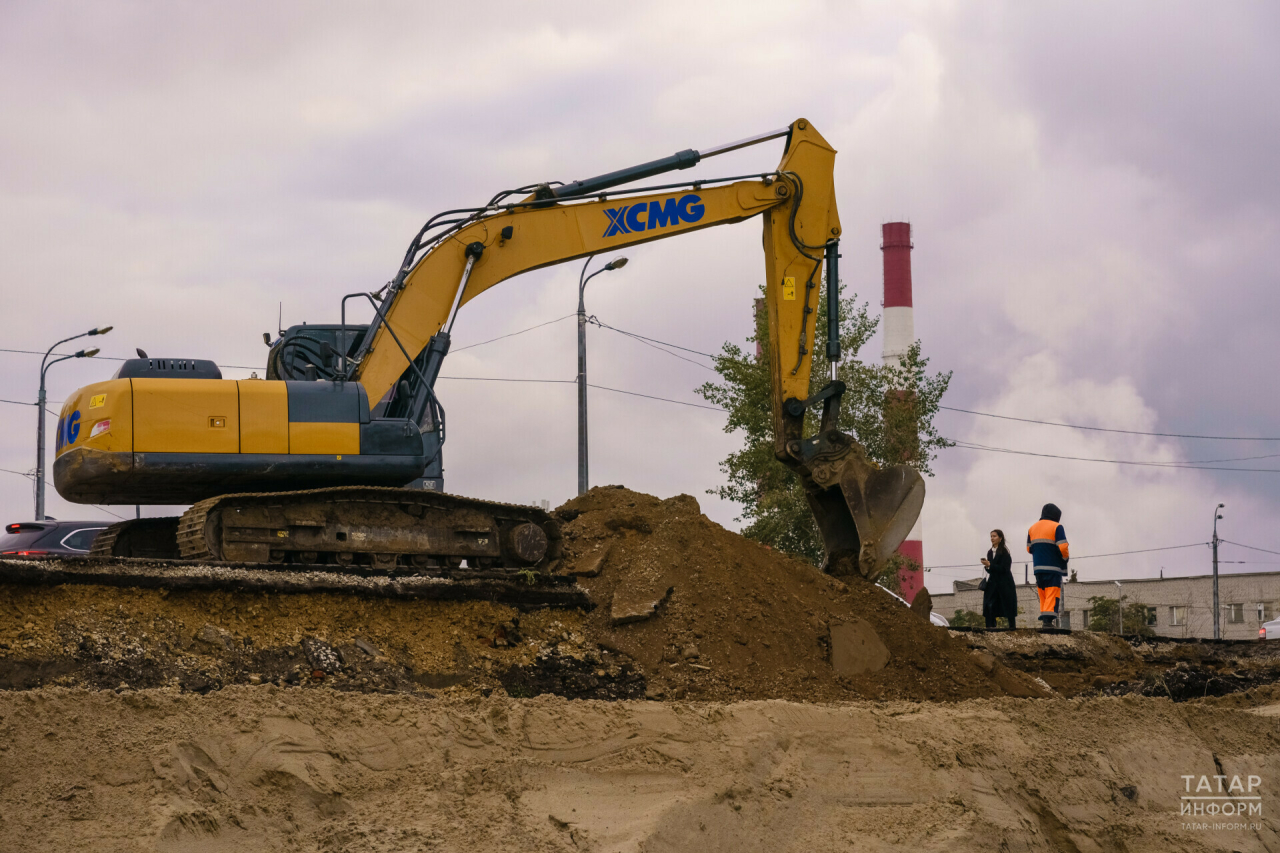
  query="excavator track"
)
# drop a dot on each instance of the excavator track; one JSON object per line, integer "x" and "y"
{"x": 366, "y": 541}
{"x": 151, "y": 538}
{"x": 367, "y": 528}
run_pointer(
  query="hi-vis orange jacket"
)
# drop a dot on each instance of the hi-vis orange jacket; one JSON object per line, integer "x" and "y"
{"x": 1047, "y": 545}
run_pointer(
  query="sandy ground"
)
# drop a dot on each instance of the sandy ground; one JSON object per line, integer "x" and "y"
{"x": 758, "y": 706}
{"x": 268, "y": 768}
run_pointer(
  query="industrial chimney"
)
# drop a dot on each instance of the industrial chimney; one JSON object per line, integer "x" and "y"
{"x": 899, "y": 334}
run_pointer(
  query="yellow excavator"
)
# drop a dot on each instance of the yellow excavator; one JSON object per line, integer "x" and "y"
{"x": 335, "y": 458}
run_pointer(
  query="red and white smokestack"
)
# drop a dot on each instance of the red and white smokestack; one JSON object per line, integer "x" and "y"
{"x": 899, "y": 331}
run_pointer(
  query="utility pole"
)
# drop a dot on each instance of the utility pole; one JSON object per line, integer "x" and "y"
{"x": 1120, "y": 607}
{"x": 1217, "y": 630}
{"x": 583, "y": 278}
{"x": 45, "y": 364}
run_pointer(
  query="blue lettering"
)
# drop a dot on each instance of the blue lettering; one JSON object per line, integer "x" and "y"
{"x": 633, "y": 216}
{"x": 655, "y": 214}
{"x": 617, "y": 225}
{"x": 691, "y": 208}
{"x": 71, "y": 431}
{"x": 663, "y": 213}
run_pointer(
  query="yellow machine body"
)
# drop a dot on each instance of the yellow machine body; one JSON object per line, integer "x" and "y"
{"x": 141, "y": 440}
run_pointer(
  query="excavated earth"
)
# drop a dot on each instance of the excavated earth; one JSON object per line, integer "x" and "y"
{"x": 714, "y": 694}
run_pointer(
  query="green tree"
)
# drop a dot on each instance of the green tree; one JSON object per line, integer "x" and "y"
{"x": 880, "y": 409}
{"x": 967, "y": 619}
{"x": 1104, "y": 616}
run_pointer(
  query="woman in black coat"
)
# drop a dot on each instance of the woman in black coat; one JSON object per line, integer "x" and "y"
{"x": 1001, "y": 595}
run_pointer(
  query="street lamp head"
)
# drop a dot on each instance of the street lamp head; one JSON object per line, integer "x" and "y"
{"x": 101, "y": 331}
{"x": 616, "y": 264}
{"x": 88, "y": 353}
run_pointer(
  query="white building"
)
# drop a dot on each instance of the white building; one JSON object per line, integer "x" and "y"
{"x": 1176, "y": 607}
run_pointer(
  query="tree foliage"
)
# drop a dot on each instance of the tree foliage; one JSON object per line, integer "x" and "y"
{"x": 967, "y": 619}
{"x": 889, "y": 409}
{"x": 1104, "y": 616}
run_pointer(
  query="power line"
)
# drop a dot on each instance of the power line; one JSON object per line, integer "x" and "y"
{"x": 589, "y": 385}
{"x": 1096, "y": 556}
{"x": 651, "y": 397}
{"x": 1107, "y": 429}
{"x": 1250, "y": 547}
{"x": 965, "y": 445}
{"x": 36, "y": 352}
{"x": 652, "y": 345}
{"x": 33, "y": 476}
{"x": 986, "y": 414}
{"x": 505, "y": 379}
{"x": 513, "y": 334}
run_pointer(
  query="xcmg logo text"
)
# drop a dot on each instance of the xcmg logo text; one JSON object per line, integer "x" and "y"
{"x": 655, "y": 214}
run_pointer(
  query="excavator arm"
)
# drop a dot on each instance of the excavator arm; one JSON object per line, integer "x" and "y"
{"x": 800, "y": 218}
{"x": 864, "y": 513}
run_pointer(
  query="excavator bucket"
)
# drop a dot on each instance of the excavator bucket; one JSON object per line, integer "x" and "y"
{"x": 863, "y": 511}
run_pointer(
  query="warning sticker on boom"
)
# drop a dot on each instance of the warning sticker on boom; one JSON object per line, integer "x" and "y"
{"x": 789, "y": 288}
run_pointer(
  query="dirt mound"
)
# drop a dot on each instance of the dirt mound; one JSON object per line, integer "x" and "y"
{"x": 683, "y": 608}
{"x": 710, "y": 614}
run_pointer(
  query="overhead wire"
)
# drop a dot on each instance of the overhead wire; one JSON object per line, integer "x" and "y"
{"x": 513, "y": 334}
{"x": 651, "y": 397}
{"x": 1250, "y": 547}
{"x": 1109, "y": 429}
{"x": 1193, "y": 465}
{"x": 649, "y": 343}
{"x": 510, "y": 379}
{"x": 33, "y": 476}
{"x": 1094, "y": 556}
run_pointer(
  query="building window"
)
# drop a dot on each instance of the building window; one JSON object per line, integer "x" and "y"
{"x": 1177, "y": 615}
{"x": 1235, "y": 613}
{"x": 1064, "y": 621}
{"x": 1151, "y": 616}
{"x": 1084, "y": 616}
{"x": 1266, "y": 611}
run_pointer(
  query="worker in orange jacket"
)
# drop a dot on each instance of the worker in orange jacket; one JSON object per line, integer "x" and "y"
{"x": 1047, "y": 545}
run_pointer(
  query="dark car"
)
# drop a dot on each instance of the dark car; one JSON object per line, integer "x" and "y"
{"x": 38, "y": 538}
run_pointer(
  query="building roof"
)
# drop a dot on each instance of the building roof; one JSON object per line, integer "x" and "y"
{"x": 968, "y": 585}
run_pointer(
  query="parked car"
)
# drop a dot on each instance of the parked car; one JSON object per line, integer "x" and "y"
{"x": 49, "y": 537}
{"x": 1269, "y": 630}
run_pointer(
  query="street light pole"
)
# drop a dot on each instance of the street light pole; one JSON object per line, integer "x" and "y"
{"x": 1217, "y": 631}
{"x": 1120, "y": 606}
{"x": 615, "y": 264}
{"x": 45, "y": 364}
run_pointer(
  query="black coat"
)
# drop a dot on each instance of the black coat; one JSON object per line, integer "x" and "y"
{"x": 1001, "y": 595}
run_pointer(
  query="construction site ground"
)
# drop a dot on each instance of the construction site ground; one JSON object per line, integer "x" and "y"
{"x": 692, "y": 689}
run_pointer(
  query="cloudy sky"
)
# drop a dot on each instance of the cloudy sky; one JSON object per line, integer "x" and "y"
{"x": 1092, "y": 188}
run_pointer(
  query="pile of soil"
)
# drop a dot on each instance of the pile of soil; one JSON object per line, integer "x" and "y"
{"x": 684, "y": 608}
{"x": 710, "y": 614}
